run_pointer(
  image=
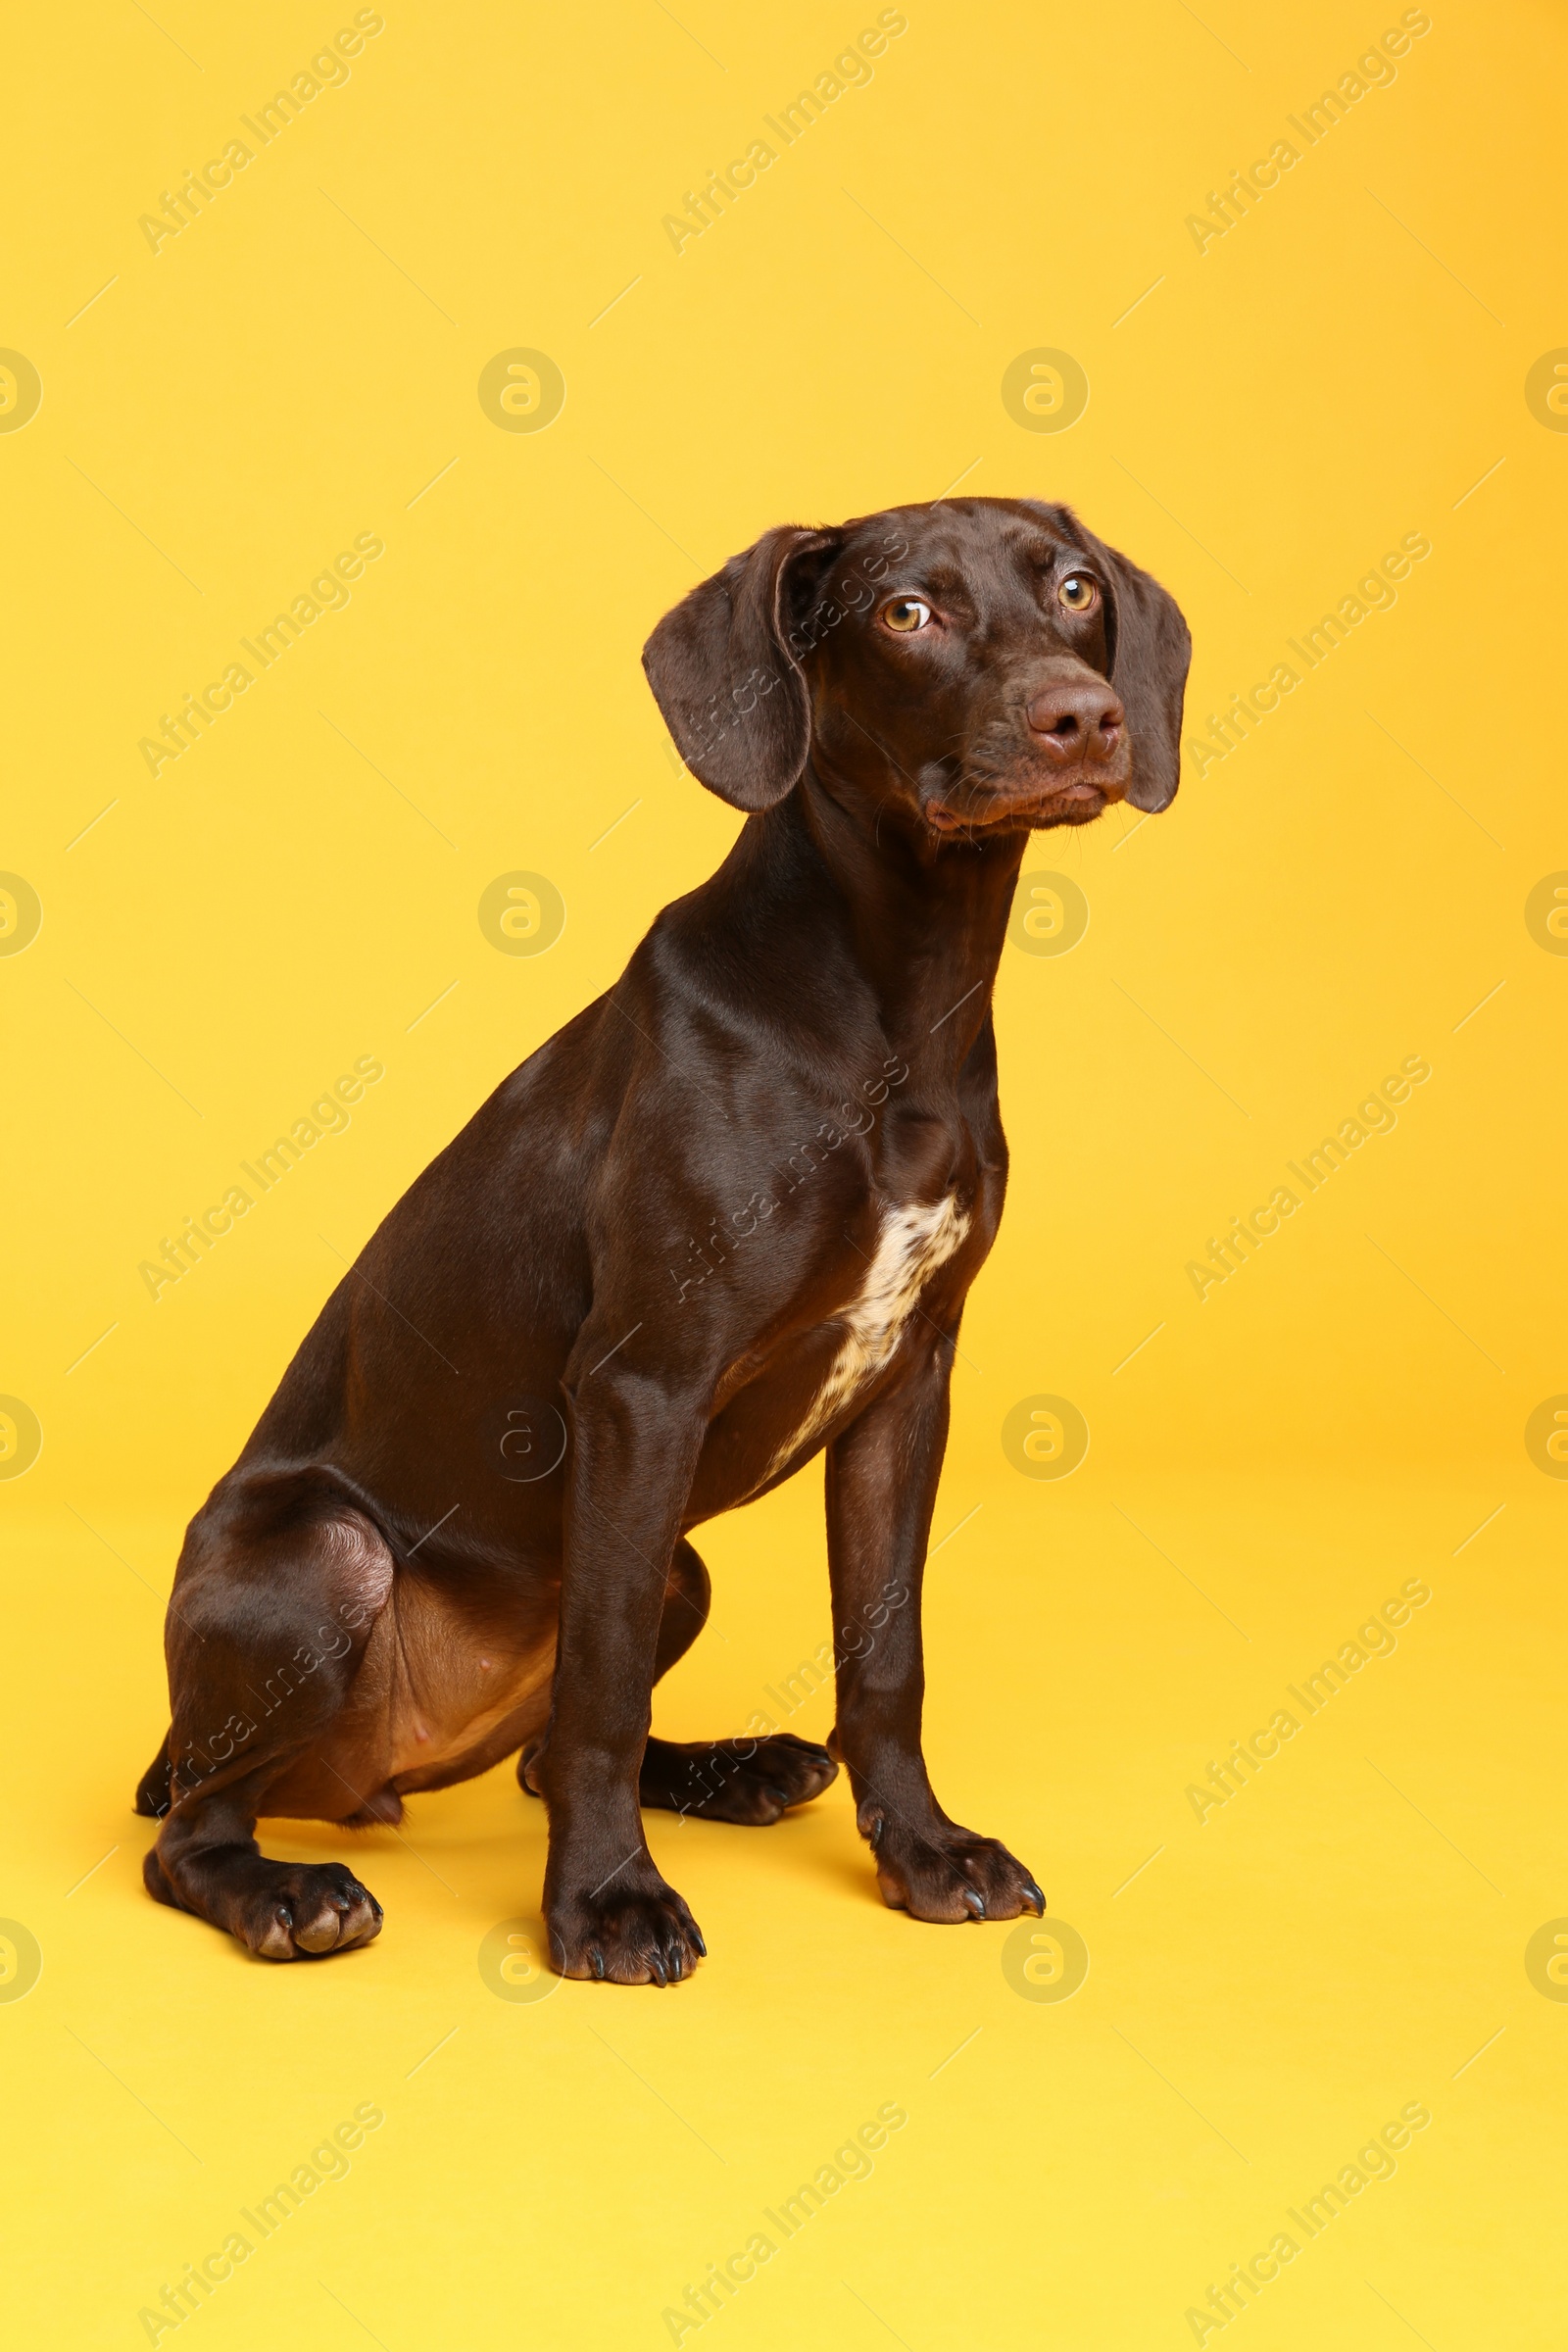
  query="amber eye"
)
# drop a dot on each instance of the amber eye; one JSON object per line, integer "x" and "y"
{"x": 906, "y": 612}
{"x": 1078, "y": 593}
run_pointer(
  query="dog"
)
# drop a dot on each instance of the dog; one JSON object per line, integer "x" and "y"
{"x": 724, "y": 1220}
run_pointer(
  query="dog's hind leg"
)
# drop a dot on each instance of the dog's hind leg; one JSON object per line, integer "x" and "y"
{"x": 746, "y": 1780}
{"x": 278, "y": 1589}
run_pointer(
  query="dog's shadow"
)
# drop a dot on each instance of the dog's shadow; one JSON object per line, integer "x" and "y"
{"x": 477, "y": 1848}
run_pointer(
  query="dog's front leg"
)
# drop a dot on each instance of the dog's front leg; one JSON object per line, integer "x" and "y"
{"x": 610, "y": 1913}
{"x": 881, "y": 1488}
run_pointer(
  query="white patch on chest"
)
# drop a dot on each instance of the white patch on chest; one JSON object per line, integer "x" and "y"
{"x": 912, "y": 1245}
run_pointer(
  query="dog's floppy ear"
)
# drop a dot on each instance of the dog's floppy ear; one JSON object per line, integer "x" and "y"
{"x": 726, "y": 669}
{"x": 1149, "y": 649}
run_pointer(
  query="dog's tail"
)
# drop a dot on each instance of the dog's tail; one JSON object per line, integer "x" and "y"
{"x": 152, "y": 1793}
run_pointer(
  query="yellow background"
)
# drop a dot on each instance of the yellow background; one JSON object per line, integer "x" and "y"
{"x": 1343, "y": 368}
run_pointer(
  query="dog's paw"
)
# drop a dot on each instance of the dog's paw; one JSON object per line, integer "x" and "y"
{"x": 752, "y": 1782}
{"x": 946, "y": 1874}
{"x": 306, "y": 1910}
{"x": 643, "y": 1935}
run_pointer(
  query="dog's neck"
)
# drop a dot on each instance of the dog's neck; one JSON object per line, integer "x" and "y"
{"x": 923, "y": 919}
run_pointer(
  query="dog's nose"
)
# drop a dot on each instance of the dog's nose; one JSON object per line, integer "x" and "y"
{"x": 1077, "y": 722}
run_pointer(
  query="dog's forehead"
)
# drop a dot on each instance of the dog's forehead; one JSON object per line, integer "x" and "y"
{"x": 972, "y": 538}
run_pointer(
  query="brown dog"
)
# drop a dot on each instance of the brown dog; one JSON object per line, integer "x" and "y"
{"x": 725, "y": 1220}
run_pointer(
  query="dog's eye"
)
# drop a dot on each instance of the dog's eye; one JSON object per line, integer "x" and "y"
{"x": 907, "y": 613}
{"x": 1078, "y": 593}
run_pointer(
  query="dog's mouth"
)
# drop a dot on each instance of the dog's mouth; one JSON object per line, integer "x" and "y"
{"x": 1070, "y": 799}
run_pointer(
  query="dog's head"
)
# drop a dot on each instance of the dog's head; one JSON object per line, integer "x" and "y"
{"x": 978, "y": 666}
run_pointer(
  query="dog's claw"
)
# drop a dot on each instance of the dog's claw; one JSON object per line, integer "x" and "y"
{"x": 644, "y": 1936}
{"x": 950, "y": 1874}
{"x": 749, "y": 1782}
{"x": 697, "y": 1938}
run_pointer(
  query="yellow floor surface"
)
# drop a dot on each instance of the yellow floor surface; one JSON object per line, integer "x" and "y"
{"x": 1273, "y": 1990}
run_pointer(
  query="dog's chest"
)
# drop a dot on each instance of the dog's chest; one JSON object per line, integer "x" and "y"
{"x": 912, "y": 1245}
